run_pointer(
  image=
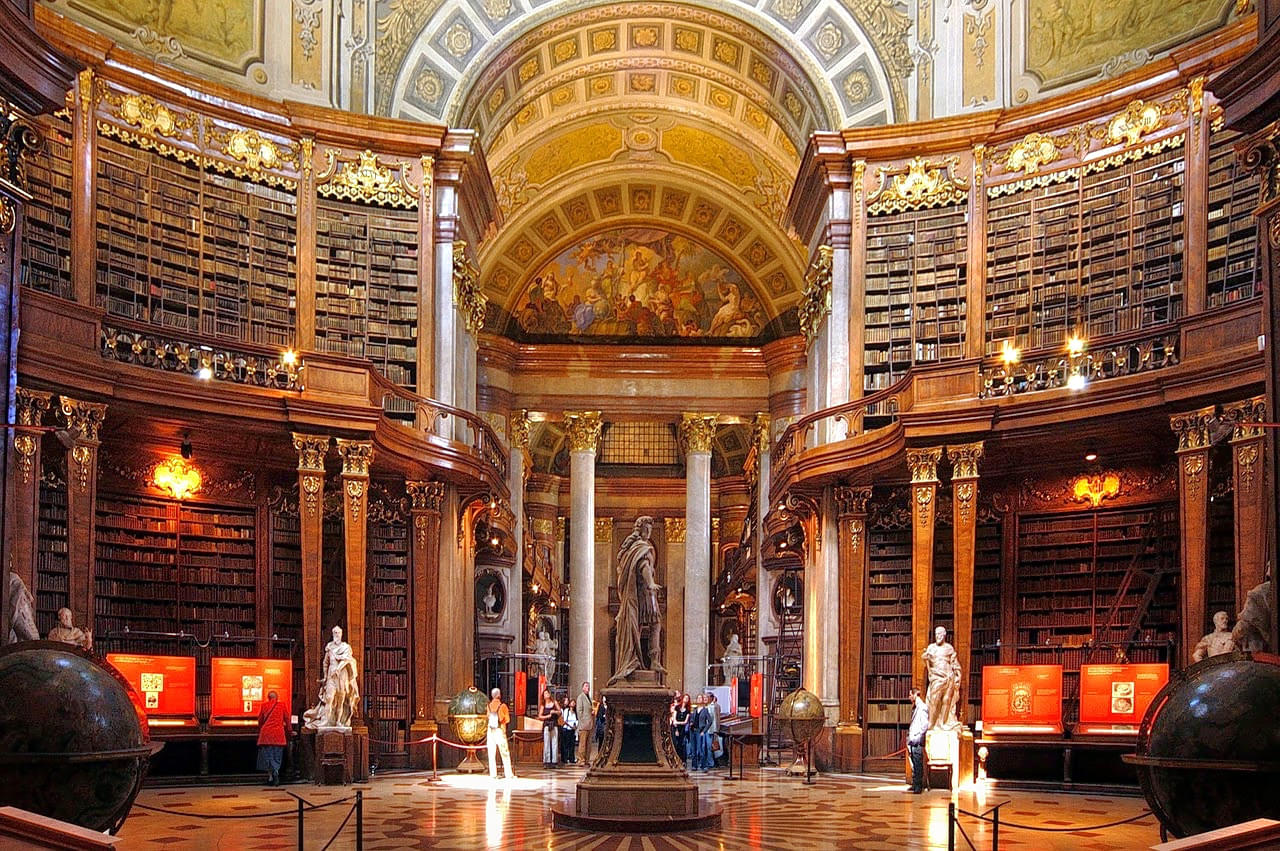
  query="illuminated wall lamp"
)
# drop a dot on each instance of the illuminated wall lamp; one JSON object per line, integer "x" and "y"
{"x": 177, "y": 477}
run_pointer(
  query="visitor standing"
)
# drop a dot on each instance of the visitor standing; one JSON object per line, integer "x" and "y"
{"x": 273, "y": 735}
{"x": 602, "y": 721}
{"x": 496, "y": 738}
{"x": 698, "y": 727}
{"x": 568, "y": 732}
{"x": 680, "y": 727}
{"x": 549, "y": 715}
{"x": 915, "y": 739}
{"x": 586, "y": 723}
{"x": 713, "y": 731}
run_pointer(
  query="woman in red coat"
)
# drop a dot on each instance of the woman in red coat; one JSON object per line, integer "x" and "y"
{"x": 272, "y": 737}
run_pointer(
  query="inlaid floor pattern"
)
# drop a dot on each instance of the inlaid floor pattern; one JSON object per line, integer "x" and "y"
{"x": 767, "y": 811}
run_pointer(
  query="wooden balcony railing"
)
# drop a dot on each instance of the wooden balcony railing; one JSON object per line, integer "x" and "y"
{"x": 425, "y": 415}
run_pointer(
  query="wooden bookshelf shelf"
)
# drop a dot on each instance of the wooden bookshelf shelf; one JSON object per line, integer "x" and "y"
{"x": 46, "y": 246}
{"x": 888, "y": 673}
{"x": 387, "y": 647}
{"x": 1233, "y": 235}
{"x": 52, "y": 591}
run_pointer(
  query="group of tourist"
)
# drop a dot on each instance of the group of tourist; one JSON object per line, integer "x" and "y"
{"x": 695, "y": 729}
{"x": 570, "y": 726}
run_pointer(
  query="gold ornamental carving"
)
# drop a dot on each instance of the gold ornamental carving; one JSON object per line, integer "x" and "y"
{"x": 562, "y": 528}
{"x": 468, "y": 297}
{"x": 675, "y": 529}
{"x": 1245, "y": 417}
{"x": 311, "y": 450}
{"x": 964, "y": 459}
{"x": 1095, "y": 488}
{"x": 582, "y": 428}
{"x": 355, "y": 489}
{"x": 852, "y": 500}
{"x": 518, "y": 426}
{"x": 82, "y": 419}
{"x": 149, "y": 116}
{"x": 543, "y": 527}
{"x": 923, "y": 494}
{"x": 1246, "y": 458}
{"x": 82, "y": 457}
{"x": 357, "y": 455}
{"x": 1192, "y": 428}
{"x": 698, "y": 431}
{"x": 27, "y": 446}
{"x": 365, "y": 178}
{"x": 425, "y": 496}
{"x": 1137, "y": 120}
{"x": 815, "y": 298}
{"x": 964, "y": 492}
{"x": 8, "y": 217}
{"x": 31, "y": 407}
{"x": 760, "y": 430}
{"x": 923, "y": 464}
{"x": 1193, "y": 472}
{"x": 857, "y": 532}
{"x": 920, "y": 185}
{"x": 311, "y": 486}
{"x": 1035, "y": 150}
{"x": 604, "y": 530}
{"x": 252, "y": 149}
{"x": 306, "y": 154}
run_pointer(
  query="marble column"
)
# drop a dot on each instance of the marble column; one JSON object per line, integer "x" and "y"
{"x": 964, "y": 501}
{"x": 583, "y": 432}
{"x": 445, "y": 318}
{"x": 761, "y": 436}
{"x": 82, "y": 421}
{"x": 424, "y": 512}
{"x": 697, "y": 432}
{"x": 1248, "y": 443}
{"x": 923, "y": 464}
{"x": 23, "y": 527}
{"x": 851, "y": 504}
{"x": 822, "y": 608}
{"x": 1192, "y": 429}
{"x": 311, "y": 449}
{"x": 356, "y": 455}
{"x": 455, "y": 655}
{"x": 518, "y": 432}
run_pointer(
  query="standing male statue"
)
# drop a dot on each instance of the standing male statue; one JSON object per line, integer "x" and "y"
{"x": 637, "y": 604}
{"x": 339, "y": 687}
{"x": 1217, "y": 642}
{"x": 943, "y": 666}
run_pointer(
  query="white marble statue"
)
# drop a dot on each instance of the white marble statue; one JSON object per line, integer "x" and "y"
{"x": 1253, "y": 626}
{"x": 943, "y": 667}
{"x": 489, "y": 599}
{"x": 1217, "y": 642}
{"x": 68, "y": 633}
{"x": 545, "y": 648}
{"x": 22, "y": 611}
{"x": 339, "y": 688}
{"x": 732, "y": 658}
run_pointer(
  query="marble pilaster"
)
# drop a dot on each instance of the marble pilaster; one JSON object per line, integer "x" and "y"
{"x": 583, "y": 430}
{"x": 697, "y": 432}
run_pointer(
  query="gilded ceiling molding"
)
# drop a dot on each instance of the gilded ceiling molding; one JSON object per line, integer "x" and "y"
{"x": 815, "y": 298}
{"x": 363, "y": 177}
{"x": 887, "y": 26}
{"x": 918, "y": 185}
{"x": 582, "y": 430}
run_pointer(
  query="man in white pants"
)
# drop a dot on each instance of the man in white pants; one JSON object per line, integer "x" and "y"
{"x": 499, "y": 718}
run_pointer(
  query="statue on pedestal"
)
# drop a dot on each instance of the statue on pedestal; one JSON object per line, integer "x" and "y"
{"x": 339, "y": 689}
{"x": 1217, "y": 642}
{"x": 943, "y": 667}
{"x": 545, "y": 648}
{"x": 22, "y": 611}
{"x": 637, "y": 604}
{"x": 68, "y": 633}
{"x": 732, "y": 658}
{"x": 1253, "y": 626}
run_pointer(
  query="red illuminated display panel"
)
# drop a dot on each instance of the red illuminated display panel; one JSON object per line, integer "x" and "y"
{"x": 241, "y": 685}
{"x": 166, "y": 684}
{"x": 1022, "y": 699}
{"x": 1119, "y": 694}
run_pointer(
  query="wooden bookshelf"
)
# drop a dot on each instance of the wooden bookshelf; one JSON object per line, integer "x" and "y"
{"x": 983, "y": 649}
{"x": 46, "y": 246}
{"x": 367, "y": 286}
{"x": 1221, "y": 567}
{"x": 217, "y": 571}
{"x": 916, "y": 265}
{"x": 387, "y": 646}
{"x": 52, "y": 589}
{"x": 286, "y": 586}
{"x": 944, "y": 601}
{"x": 889, "y": 637}
{"x": 1125, "y": 221}
{"x": 1233, "y": 234}
{"x": 196, "y": 251}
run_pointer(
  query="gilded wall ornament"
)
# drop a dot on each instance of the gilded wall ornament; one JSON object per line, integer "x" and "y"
{"x": 31, "y": 406}
{"x": 519, "y": 426}
{"x": 311, "y": 449}
{"x": 252, "y": 149}
{"x": 1245, "y": 418}
{"x": 815, "y": 298}
{"x": 147, "y": 115}
{"x": 760, "y": 433}
{"x": 964, "y": 459}
{"x": 675, "y": 529}
{"x": 1027, "y": 156}
{"x": 1192, "y": 428}
{"x": 365, "y": 178}
{"x": 697, "y": 432}
{"x": 468, "y": 297}
{"x": 604, "y": 530}
{"x": 923, "y": 495}
{"x": 582, "y": 430}
{"x": 1094, "y": 488}
{"x": 1137, "y": 120}
{"x": 82, "y": 455}
{"x": 355, "y": 490}
{"x": 425, "y": 496}
{"x": 1193, "y": 472}
{"x": 357, "y": 455}
{"x": 1246, "y": 459}
{"x": 919, "y": 185}
{"x": 964, "y": 491}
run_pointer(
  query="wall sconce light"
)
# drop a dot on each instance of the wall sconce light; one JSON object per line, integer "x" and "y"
{"x": 1009, "y": 353}
{"x": 1075, "y": 346}
{"x": 177, "y": 477}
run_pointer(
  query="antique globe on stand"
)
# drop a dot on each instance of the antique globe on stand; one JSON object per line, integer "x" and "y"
{"x": 1208, "y": 751}
{"x": 469, "y": 717}
{"x": 802, "y": 717}
{"x": 74, "y": 744}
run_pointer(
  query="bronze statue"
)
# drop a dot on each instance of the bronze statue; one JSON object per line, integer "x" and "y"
{"x": 637, "y": 604}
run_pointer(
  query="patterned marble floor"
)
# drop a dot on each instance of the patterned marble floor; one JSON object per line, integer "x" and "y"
{"x": 767, "y": 810}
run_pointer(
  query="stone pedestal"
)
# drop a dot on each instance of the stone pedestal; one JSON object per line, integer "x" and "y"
{"x": 942, "y": 748}
{"x": 336, "y": 756}
{"x": 637, "y": 783}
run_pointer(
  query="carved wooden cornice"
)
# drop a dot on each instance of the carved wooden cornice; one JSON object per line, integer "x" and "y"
{"x": 425, "y": 496}
{"x": 852, "y": 501}
{"x": 582, "y": 430}
{"x": 917, "y": 185}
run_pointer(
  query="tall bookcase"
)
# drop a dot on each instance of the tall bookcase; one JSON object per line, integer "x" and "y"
{"x": 286, "y": 586}
{"x": 53, "y": 588}
{"x": 367, "y": 286}
{"x": 1127, "y": 221}
{"x": 983, "y": 649}
{"x": 216, "y": 561}
{"x": 387, "y": 647}
{"x": 889, "y": 638}
{"x": 916, "y": 264}
{"x": 1233, "y": 235}
{"x": 1221, "y": 569}
{"x": 46, "y": 244}
{"x": 189, "y": 249}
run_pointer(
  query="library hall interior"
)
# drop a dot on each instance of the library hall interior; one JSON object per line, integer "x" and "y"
{"x": 614, "y": 424}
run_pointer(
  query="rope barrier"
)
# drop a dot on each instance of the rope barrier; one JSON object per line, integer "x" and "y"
{"x": 334, "y": 838}
{"x": 960, "y": 828}
{"x": 278, "y": 814}
{"x": 1004, "y": 823}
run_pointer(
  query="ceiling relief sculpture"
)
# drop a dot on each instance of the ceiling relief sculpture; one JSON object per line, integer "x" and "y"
{"x": 223, "y": 33}
{"x": 639, "y": 282}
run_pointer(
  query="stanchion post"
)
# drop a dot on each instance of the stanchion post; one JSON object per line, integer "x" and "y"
{"x": 435, "y": 758}
{"x": 995, "y": 829}
{"x": 359, "y": 820}
{"x": 299, "y": 824}
{"x": 951, "y": 826}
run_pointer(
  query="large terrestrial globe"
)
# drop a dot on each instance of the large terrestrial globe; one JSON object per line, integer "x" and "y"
{"x": 802, "y": 715}
{"x": 1208, "y": 751}
{"x": 73, "y": 745}
{"x": 469, "y": 717}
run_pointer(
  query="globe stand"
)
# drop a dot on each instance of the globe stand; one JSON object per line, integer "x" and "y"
{"x": 637, "y": 783}
{"x": 471, "y": 765}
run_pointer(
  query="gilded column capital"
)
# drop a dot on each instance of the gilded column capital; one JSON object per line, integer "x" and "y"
{"x": 760, "y": 433}
{"x": 1192, "y": 428}
{"x": 518, "y": 428}
{"x": 583, "y": 430}
{"x": 562, "y": 527}
{"x": 425, "y": 496}
{"x": 923, "y": 464}
{"x": 697, "y": 431}
{"x": 84, "y": 419}
{"x": 852, "y": 501}
{"x": 31, "y": 406}
{"x": 357, "y": 455}
{"x": 675, "y": 528}
{"x": 964, "y": 459}
{"x": 1245, "y": 418}
{"x": 311, "y": 450}
{"x": 604, "y": 530}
